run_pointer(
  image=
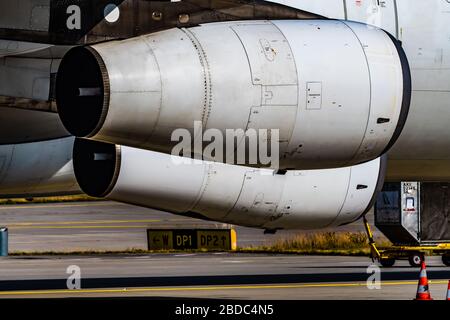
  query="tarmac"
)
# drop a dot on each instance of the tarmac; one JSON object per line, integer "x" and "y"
{"x": 113, "y": 226}
{"x": 108, "y": 225}
{"x": 215, "y": 276}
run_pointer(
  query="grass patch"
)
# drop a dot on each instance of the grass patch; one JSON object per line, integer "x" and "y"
{"x": 75, "y": 198}
{"x": 131, "y": 251}
{"x": 353, "y": 252}
{"x": 324, "y": 243}
{"x": 363, "y": 252}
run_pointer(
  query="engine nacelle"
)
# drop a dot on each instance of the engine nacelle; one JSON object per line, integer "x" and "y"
{"x": 37, "y": 169}
{"x": 310, "y": 199}
{"x": 338, "y": 92}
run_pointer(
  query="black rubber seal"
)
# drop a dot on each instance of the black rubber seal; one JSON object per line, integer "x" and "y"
{"x": 407, "y": 92}
{"x": 380, "y": 183}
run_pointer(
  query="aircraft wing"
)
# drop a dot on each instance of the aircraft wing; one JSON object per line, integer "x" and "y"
{"x": 84, "y": 21}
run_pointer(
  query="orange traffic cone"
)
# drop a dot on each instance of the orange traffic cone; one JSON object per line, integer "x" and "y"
{"x": 448, "y": 292}
{"x": 423, "y": 290}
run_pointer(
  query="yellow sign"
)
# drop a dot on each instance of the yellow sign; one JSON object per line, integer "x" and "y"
{"x": 192, "y": 239}
{"x": 214, "y": 240}
{"x": 160, "y": 240}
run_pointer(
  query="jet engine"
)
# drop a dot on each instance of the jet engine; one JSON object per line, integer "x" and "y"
{"x": 337, "y": 92}
{"x": 252, "y": 197}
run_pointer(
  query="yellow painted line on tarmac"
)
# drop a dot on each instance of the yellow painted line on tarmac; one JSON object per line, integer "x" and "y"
{"x": 99, "y": 226}
{"x": 207, "y": 288}
{"x": 38, "y": 206}
{"x": 80, "y": 227}
{"x": 37, "y": 223}
{"x": 92, "y": 224}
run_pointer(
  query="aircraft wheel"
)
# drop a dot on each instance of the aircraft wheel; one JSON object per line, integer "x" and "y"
{"x": 387, "y": 262}
{"x": 415, "y": 260}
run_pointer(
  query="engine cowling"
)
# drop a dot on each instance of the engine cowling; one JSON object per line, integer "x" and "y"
{"x": 338, "y": 92}
{"x": 309, "y": 199}
{"x": 37, "y": 169}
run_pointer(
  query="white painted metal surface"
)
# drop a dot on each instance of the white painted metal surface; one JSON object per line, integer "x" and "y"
{"x": 10, "y": 48}
{"x": 26, "y": 77}
{"x": 324, "y": 84}
{"x": 326, "y": 8}
{"x": 361, "y": 76}
{"x": 40, "y": 168}
{"x": 422, "y": 152}
{"x": 236, "y": 194}
{"x": 21, "y": 126}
